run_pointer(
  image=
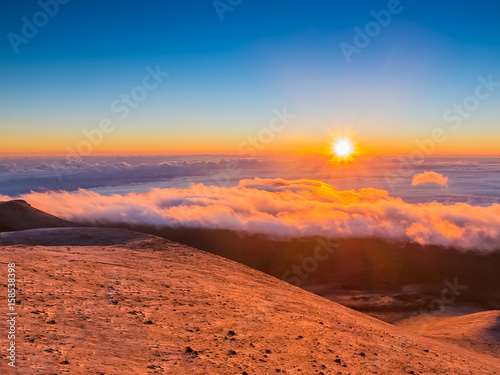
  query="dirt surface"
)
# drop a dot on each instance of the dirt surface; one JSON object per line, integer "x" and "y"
{"x": 479, "y": 332}
{"x": 109, "y": 301}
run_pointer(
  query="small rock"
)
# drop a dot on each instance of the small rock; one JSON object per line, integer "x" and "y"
{"x": 231, "y": 352}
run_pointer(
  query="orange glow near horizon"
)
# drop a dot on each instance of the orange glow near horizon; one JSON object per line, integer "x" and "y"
{"x": 30, "y": 145}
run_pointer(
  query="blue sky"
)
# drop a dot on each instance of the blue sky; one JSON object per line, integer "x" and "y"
{"x": 227, "y": 76}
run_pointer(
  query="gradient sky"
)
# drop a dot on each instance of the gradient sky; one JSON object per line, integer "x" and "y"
{"x": 227, "y": 76}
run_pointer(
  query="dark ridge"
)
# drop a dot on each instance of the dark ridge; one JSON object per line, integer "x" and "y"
{"x": 18, "y": 215}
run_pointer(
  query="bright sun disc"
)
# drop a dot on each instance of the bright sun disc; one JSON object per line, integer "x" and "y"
{"x": 343, "y": 148}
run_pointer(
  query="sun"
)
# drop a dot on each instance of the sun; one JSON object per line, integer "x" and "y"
{"x": 343, "y": 148}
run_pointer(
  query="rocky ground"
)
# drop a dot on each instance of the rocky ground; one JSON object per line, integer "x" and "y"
{"x": 111, "y": 301}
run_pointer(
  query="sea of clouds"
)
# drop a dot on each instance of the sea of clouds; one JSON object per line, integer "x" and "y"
{"x": 447, "y": 201}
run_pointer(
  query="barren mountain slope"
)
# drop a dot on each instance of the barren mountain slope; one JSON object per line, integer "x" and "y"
{"x": 146, "y": 305}
{"x": 19, "y": 215}
{"x": 479, "y": 332}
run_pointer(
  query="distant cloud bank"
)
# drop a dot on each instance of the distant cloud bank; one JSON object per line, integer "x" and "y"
{"x": 287, "y": 208}
{"x": 472, "y": 180}
{"x": 429, "y": 177}
{"x": 18, "y": 176}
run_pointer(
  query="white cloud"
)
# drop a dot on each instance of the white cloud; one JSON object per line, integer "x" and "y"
{"x": 284, "y": 208}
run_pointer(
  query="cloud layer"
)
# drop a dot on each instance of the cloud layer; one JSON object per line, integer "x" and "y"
{"x": 429, "y": 177}
{"x": 472, "y": 180}
{"x": 285, "y": 208}
{"x": 18, "y": 176}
